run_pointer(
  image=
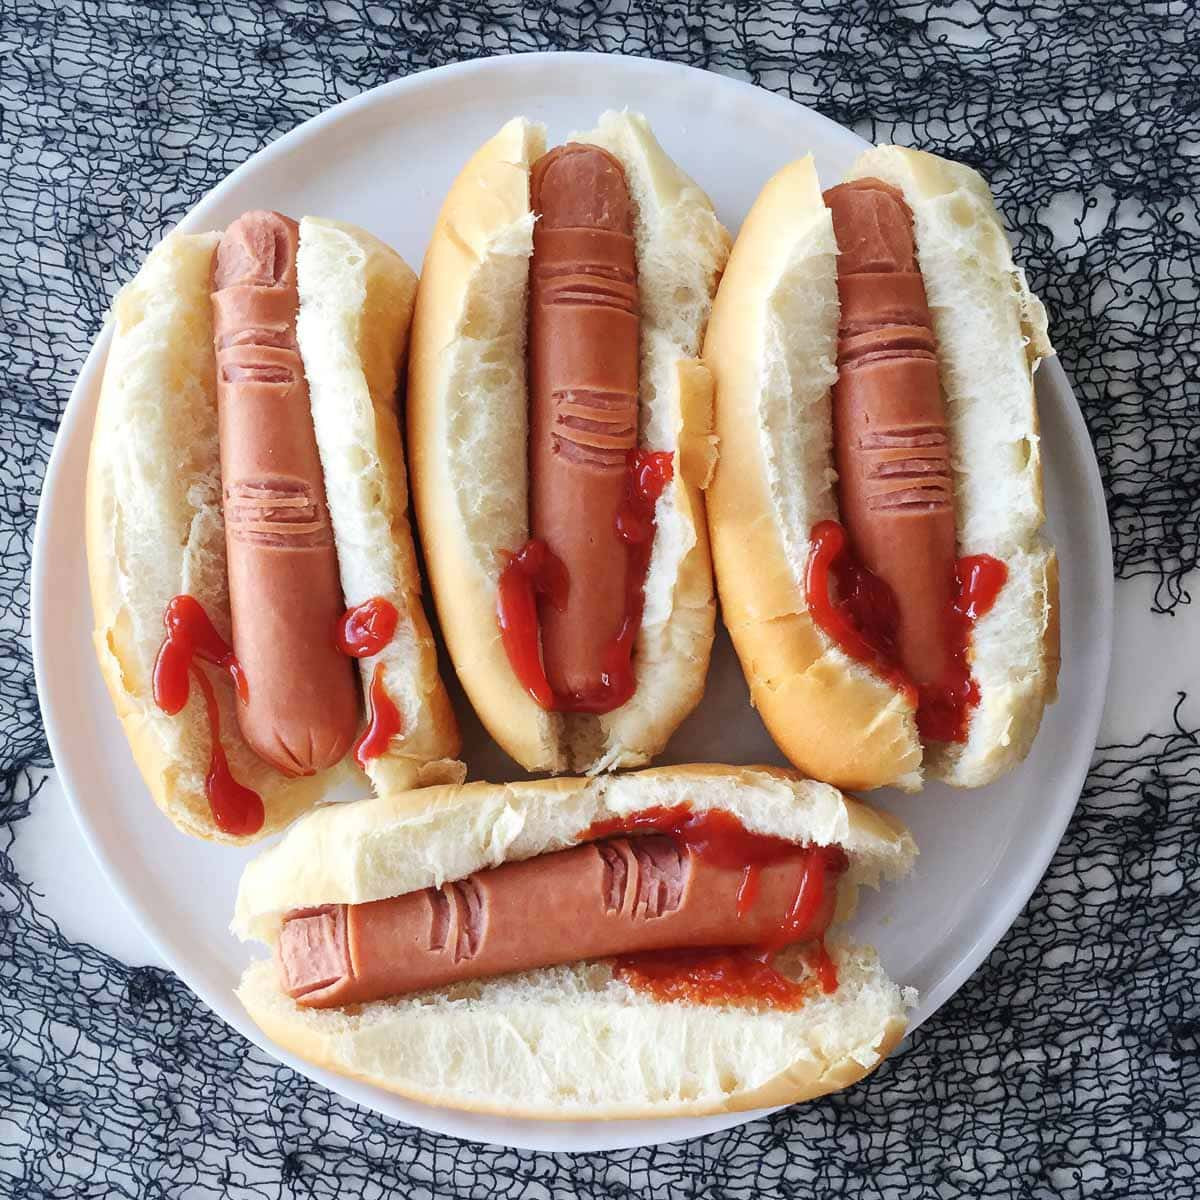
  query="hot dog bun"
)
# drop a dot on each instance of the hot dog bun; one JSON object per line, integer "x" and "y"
{"x": 154, "y": 517}
{"x": 356, "y": 302}
{"x": 468, "y": 428}
{"x": 772, "y": 349}
{"x": 572, "y": 1042}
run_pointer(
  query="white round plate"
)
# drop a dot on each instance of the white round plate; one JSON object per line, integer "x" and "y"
{"x": 385, "y": 160}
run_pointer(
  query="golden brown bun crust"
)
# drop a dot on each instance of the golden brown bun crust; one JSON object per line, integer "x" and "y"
{"x": 979, "y": 298}
{"x": 468, "y": 429}
{"x": 401, "y": 842}
{"x": 472, "y": 292}
{"x": 833, "y": 721}
{"x": 153, "y": 513}
{"x": 771, "y": 346}
{"x": 573, "y": 1041}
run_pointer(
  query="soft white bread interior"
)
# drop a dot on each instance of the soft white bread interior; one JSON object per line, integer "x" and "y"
{"x": 991, "y": 333}
{"x": 356, "y": 301}
{"x": 155, "y": 531}
{"x": 772, "y": 349}
{"x": 393, "y": 844}
{"x": 468, "y": 427}
{"x": 154, "y": 519}
{"x": 772, "y": 346}
{"x": 468, "y": 424}
{"x": 573, "y": 1041}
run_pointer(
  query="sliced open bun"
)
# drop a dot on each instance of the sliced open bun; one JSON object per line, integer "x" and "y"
{"x": 772, "y": 349}
{"x": 154, "y": 517}
{"x": 468, "y": 428}
{"x": 356, "y": 303}
{"x": 573, "y": 1041}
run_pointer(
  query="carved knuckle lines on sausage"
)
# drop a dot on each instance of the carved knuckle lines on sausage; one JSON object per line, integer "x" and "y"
{"x": 593, "y": 901}
{"x": 895, "y": 487}
{"x": 583, "y": 372}
{"x": 284, "y": 590}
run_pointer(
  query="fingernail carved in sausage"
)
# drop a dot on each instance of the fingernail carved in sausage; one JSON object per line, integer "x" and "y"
{"x": 906, "y": 606}
{"x": 615, "y": 897}
{"x": 895, "y": 489}
{"x": 302, "y": 708}
{"x": 583, "y": 379}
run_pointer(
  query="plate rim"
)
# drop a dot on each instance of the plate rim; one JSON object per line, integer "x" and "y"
{"x": 448, "y": 1121}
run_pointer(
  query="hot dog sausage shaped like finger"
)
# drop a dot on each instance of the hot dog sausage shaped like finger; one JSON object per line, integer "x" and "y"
{"x": 895, "y": 489}
{"x": 583, "y": 380}
{"x": 621, "y": 896}
{"x": 284, "y": 591}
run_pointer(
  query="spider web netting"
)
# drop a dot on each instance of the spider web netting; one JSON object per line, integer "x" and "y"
{"x": 1069, "y": 1065}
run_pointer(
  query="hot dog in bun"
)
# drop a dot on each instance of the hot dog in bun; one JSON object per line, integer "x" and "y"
{"x": 650, "y": 944}
{"x": 876, "y": 512}
{"x": 560, "y": 437}
{"x": 247, "y": 526}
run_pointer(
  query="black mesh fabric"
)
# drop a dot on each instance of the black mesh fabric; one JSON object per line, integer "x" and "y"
{"x": 1069, "y": 1065}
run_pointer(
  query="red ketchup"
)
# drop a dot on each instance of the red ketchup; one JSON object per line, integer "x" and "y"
{"x": 236, "y": 809}
{"x": 383, "y": 721}
{"x": 190, "y": 634}
{"x": 747, "y": 890}
{"x": 535, "y": 571}
{"x": 943, "y": 712}
{"x": 824, "y": 967}
{"x": 863, "y": 620}
{"x": 362, "y": 631}
{"x": 366, "y": 628}
{"x": 730, "y": 975}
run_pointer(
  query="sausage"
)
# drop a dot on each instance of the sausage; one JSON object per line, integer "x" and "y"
{"x": 593, "y": 901}
{"x": 895, "y": 490}
{"x": 284, "y": 592}
{"x": 583, "y": 386}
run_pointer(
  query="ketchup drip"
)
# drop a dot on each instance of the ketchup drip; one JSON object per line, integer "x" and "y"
{"x": 810, "y": 895}
{"x": 713, "y": 835}
{"x": 190, "y": 634}
{"x": 737, "y": 974}
{"x": 862, "y": 621}
{"x": 864, "y": 618}
{"x": 236, "y": 809}
{"x": 703, "y": 976}
{"x": 943, "y": 711}
{"x": 534, "y": 571}
{"x": 366, "y": 628}
{"x": 649, "y": 474}
{"x": 362, "y": 631}
{"x": 383, "y": 721}
{"x": 748, "y": 889}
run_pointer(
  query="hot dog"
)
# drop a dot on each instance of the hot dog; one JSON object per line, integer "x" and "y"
{"x": 285, "y": 596}
{"x": 895, "y": 491}
{"x": 270, "y": 353}
{"x": 619, "y": 896}
{"x": 565, "y": 294}
{"x": 583, "y": 387}
{"x": 876, "y": 513}
{"x": 653, "y": 943}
